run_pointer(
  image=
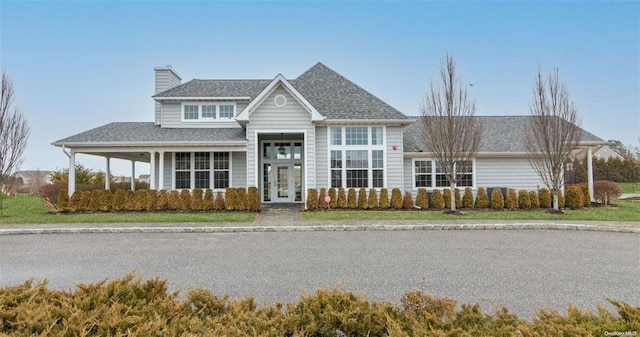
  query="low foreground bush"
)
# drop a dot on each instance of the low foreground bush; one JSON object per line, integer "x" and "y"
{"x": 130, "y": 306}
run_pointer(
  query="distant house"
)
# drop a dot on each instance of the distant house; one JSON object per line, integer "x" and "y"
{"x": 600, "y": 152}
{"x": 285, "y": 136}
{"x": 31, "y": 181}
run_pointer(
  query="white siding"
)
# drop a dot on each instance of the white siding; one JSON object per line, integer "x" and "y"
{"x": 238, "y": 169}
{"x": 269, "y": 118}
{"x": 507, "y": 172}
{"x": 165, "y": 79}
{"x": 394, "y": 157}
{"x": 322, "y": 158}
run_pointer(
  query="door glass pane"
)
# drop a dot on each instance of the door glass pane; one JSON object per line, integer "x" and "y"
{"x": 266, "y": 182}
{"x": 283, "y": 182}
{"x": 283, "y": 150}
{"x": 266, "y": 150}
{"x": 297, "y": 168}
{"x": 297, "y": 151}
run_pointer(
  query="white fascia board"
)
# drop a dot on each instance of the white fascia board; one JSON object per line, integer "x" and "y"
{"x": 148, "y": 144}
{"x": 367, "y": 121}
{"x": 211, "y": 98}
{"x": 479, "y": 155}
{"x": 592, "y": 143}
{"x": 243, "y": 116}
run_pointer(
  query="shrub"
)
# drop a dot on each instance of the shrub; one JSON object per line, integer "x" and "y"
{"x": 162, "y": 203}
{"x": 362, "y": 198}
{"x": 129, "y": 200}
{"x": 118, "y": 200}
{"x": 372, "y": 203}
{"x": 560, "y": 200}
{"x": 384, "y": 198}
{"x": 407, "y": 201}
{"x": 321, "y": 197}
{"x": 446, "y": 195}
{"x": 574, "y": 197}
{"x": 51, "y": 193}
{"x": 467, "y": 198}
{"x": 62, "y": 201}
{"x": 241, "y": 199}
{"x": 533, "y": 198}
{"x": 544, "y": 196}
{"x": 219, "y": 203}
{"x": 312, "y": 199}
{"x": 497, "y": 199}
{"x": 196, "y": 200}
{"x": 185, "y": 200}
{"x": 94, "y": 201}
{"x": 437, "y": 200}
{"x": 458, "y": 197}
{"x": 207, "y": 202}
{"x": 422, "y": 200}
{"x": 524, "y": 201}
{"x": 606, "y": 191}
{"x": 352, "y": 200}
{"x": 512, "y": 199}
{"x": 342, "y": 198}
{"x": 396, "y": 198}
{"x": 482, "y": 198}
{"x": 85, "y": 201}
{"x": 174, "y": 200}
{"x": 230, "y": 197}
{"x": 586, "y": 197}
{"x": 140, "y": 200}
{"x": 74, "y": 201}
{"x": 334, "y": 198}
{"x": 253, "y": 199}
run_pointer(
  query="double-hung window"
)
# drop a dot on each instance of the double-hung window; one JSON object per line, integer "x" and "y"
{"x": 208, "y": 111}
{"x": 357, "y": 157}
{"x": 429, "y": 173}
{"x": 194, "y": 170}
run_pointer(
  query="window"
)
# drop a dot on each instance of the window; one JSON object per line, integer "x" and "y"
{"x": 190, "y": 112}
{"x": 356, "y": 135}
{"x": 220, "y": 170}
{"x": 193, "y": 170}
{"x": 226, "y": 111}
{"x": 209, "y": 111}
{"x": 183, "y": 170}
{"x": 426, "y": 176}
{"x": 359, "y": 160}
{"x": 193, "y": 112}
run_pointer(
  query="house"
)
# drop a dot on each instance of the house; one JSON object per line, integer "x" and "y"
{"x": 599, "y": 152}
{"x": 32, "y": 180}
{"x": 287, "y": 135}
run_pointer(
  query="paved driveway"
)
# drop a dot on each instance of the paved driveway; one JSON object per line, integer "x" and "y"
{"x": 521, "y": 269}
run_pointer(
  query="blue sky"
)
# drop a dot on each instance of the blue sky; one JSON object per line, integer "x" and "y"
{"x": 78, "y": 65}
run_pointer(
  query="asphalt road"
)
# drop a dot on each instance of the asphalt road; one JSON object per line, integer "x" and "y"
{"x": 523, "y": 270}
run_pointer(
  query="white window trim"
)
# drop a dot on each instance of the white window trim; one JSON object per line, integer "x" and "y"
{"x": 201, "y": 119}
{"x": 433, "y": 174}
{"x": 369, "y": 147}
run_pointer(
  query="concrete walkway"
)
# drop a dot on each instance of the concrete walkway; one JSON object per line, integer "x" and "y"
{"x": 286, "y": 218}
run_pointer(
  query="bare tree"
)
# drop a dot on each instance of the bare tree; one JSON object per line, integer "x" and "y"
{"x": 449, "y": 127}
{"x": 14, "y": 132}
{"x": 553, "y": 131}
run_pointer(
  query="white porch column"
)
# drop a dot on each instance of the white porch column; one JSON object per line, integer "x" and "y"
{"x": 590, "y": 172}
{"x": 72, "y": 173}
{"x": 152, "y": 170}
{"x": 133, "y": 175}
{"x": 107, "y": 175}
{"x": 161, "y": 171}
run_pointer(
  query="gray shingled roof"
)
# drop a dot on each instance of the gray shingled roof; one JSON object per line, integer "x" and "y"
{"x": 138, "y": 133}
{"x": 334, "y": 96}
{"x": 217, "y": 88}
{"x": 500, "y": 134}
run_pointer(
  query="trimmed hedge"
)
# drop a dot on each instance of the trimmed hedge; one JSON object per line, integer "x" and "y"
{"x": 151, "y": 200}
{"x": 342, "y": 198}
{"x": 312, "y": 198}
{"x": 467, "y": 198}
{"x": 407, "y": 201}
{"x": 396, "y": 198}
{"x": 372, "y": 202}
{"x": 321, "y": 197}
{"x": 422, "y": 199}
{"x": 533, "y": 197}
{"x": 437, "y": 200}
{"x": 130, "y": 306}
{"x": 446, "y": 195}
{"x": 352, "y": 200}
{"x": 544, "y": 196}
{"x": 334, "y": 199}
{"x": 362, "y": 198}
{"x": 482, "y": 198}
{"x": 384, "y": 198}
{"x": 512, "y": 199}
{"x": 524, "y": 200}
{"x": 574, "y": 197}
{"x": 497, "y": 199}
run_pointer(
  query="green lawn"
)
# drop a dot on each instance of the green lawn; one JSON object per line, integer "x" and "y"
{"x": 628, "y": 210}
{"x": 31, "y": 209}
{"x": 630, "y": 187}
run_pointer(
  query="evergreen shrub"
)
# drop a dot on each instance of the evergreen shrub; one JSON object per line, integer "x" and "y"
{"x": 241, "y": 199}
{"x": 163, "y": 201}
{"x": 422, "y": 200}
{"x": 497, "y": 199}
{"x": 482, "y": 198}
{"x": 544, "y": 196}
{"x": 140, "y": 200}
{"x": 312, "y": 199}
{"x": 174, "y": 200}
{"x": 207, "y": 201}
{"x": 230, "y": 197}
{"x": 467, "y": 199}
{"x": 129, "y": 201}
{"x": 384, "y": 198}
{"x": 574, "y": 197}
{"x": 372, "y": 202}
{"x": 512, "y": 199}
{"x": 63, "y": 201}
{"x": 342, "y": 198}
{"x": 457, "y": 195}
{"x": 437, "y": 200}
{"x": 334, "y": 198}
{"x": 362, "y": 198}
{"x": 524, "y": 200}
{"x": 352, "y": 199}
{"x": 253, "y": 199}
{"x": 533, "y": 197}
{"x": 196, "y": 200}
{"x": 396, "y": 198}
{"x": 118, "y": 200}
{"x": 219, "y": 202}
{"x": 321, "y": 197}
{"x": 407, "y": 201}
{"x": 185, "y": 200}
{"x": 446, "y": 195}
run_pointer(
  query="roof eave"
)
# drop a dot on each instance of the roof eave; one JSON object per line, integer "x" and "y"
{"x": 367, "y": 121}
{"x": 151, "y": 144}
{"x": 204, "y": 98}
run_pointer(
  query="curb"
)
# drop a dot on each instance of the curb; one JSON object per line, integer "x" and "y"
{"x": 315, "y": 228}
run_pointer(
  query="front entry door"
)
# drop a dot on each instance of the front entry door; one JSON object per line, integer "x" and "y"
{"x": 283, "y": 183}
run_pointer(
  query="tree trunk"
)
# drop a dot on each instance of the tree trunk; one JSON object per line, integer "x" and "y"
{"x": 556, "y": 204}
{"x": 453, "y": 197}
